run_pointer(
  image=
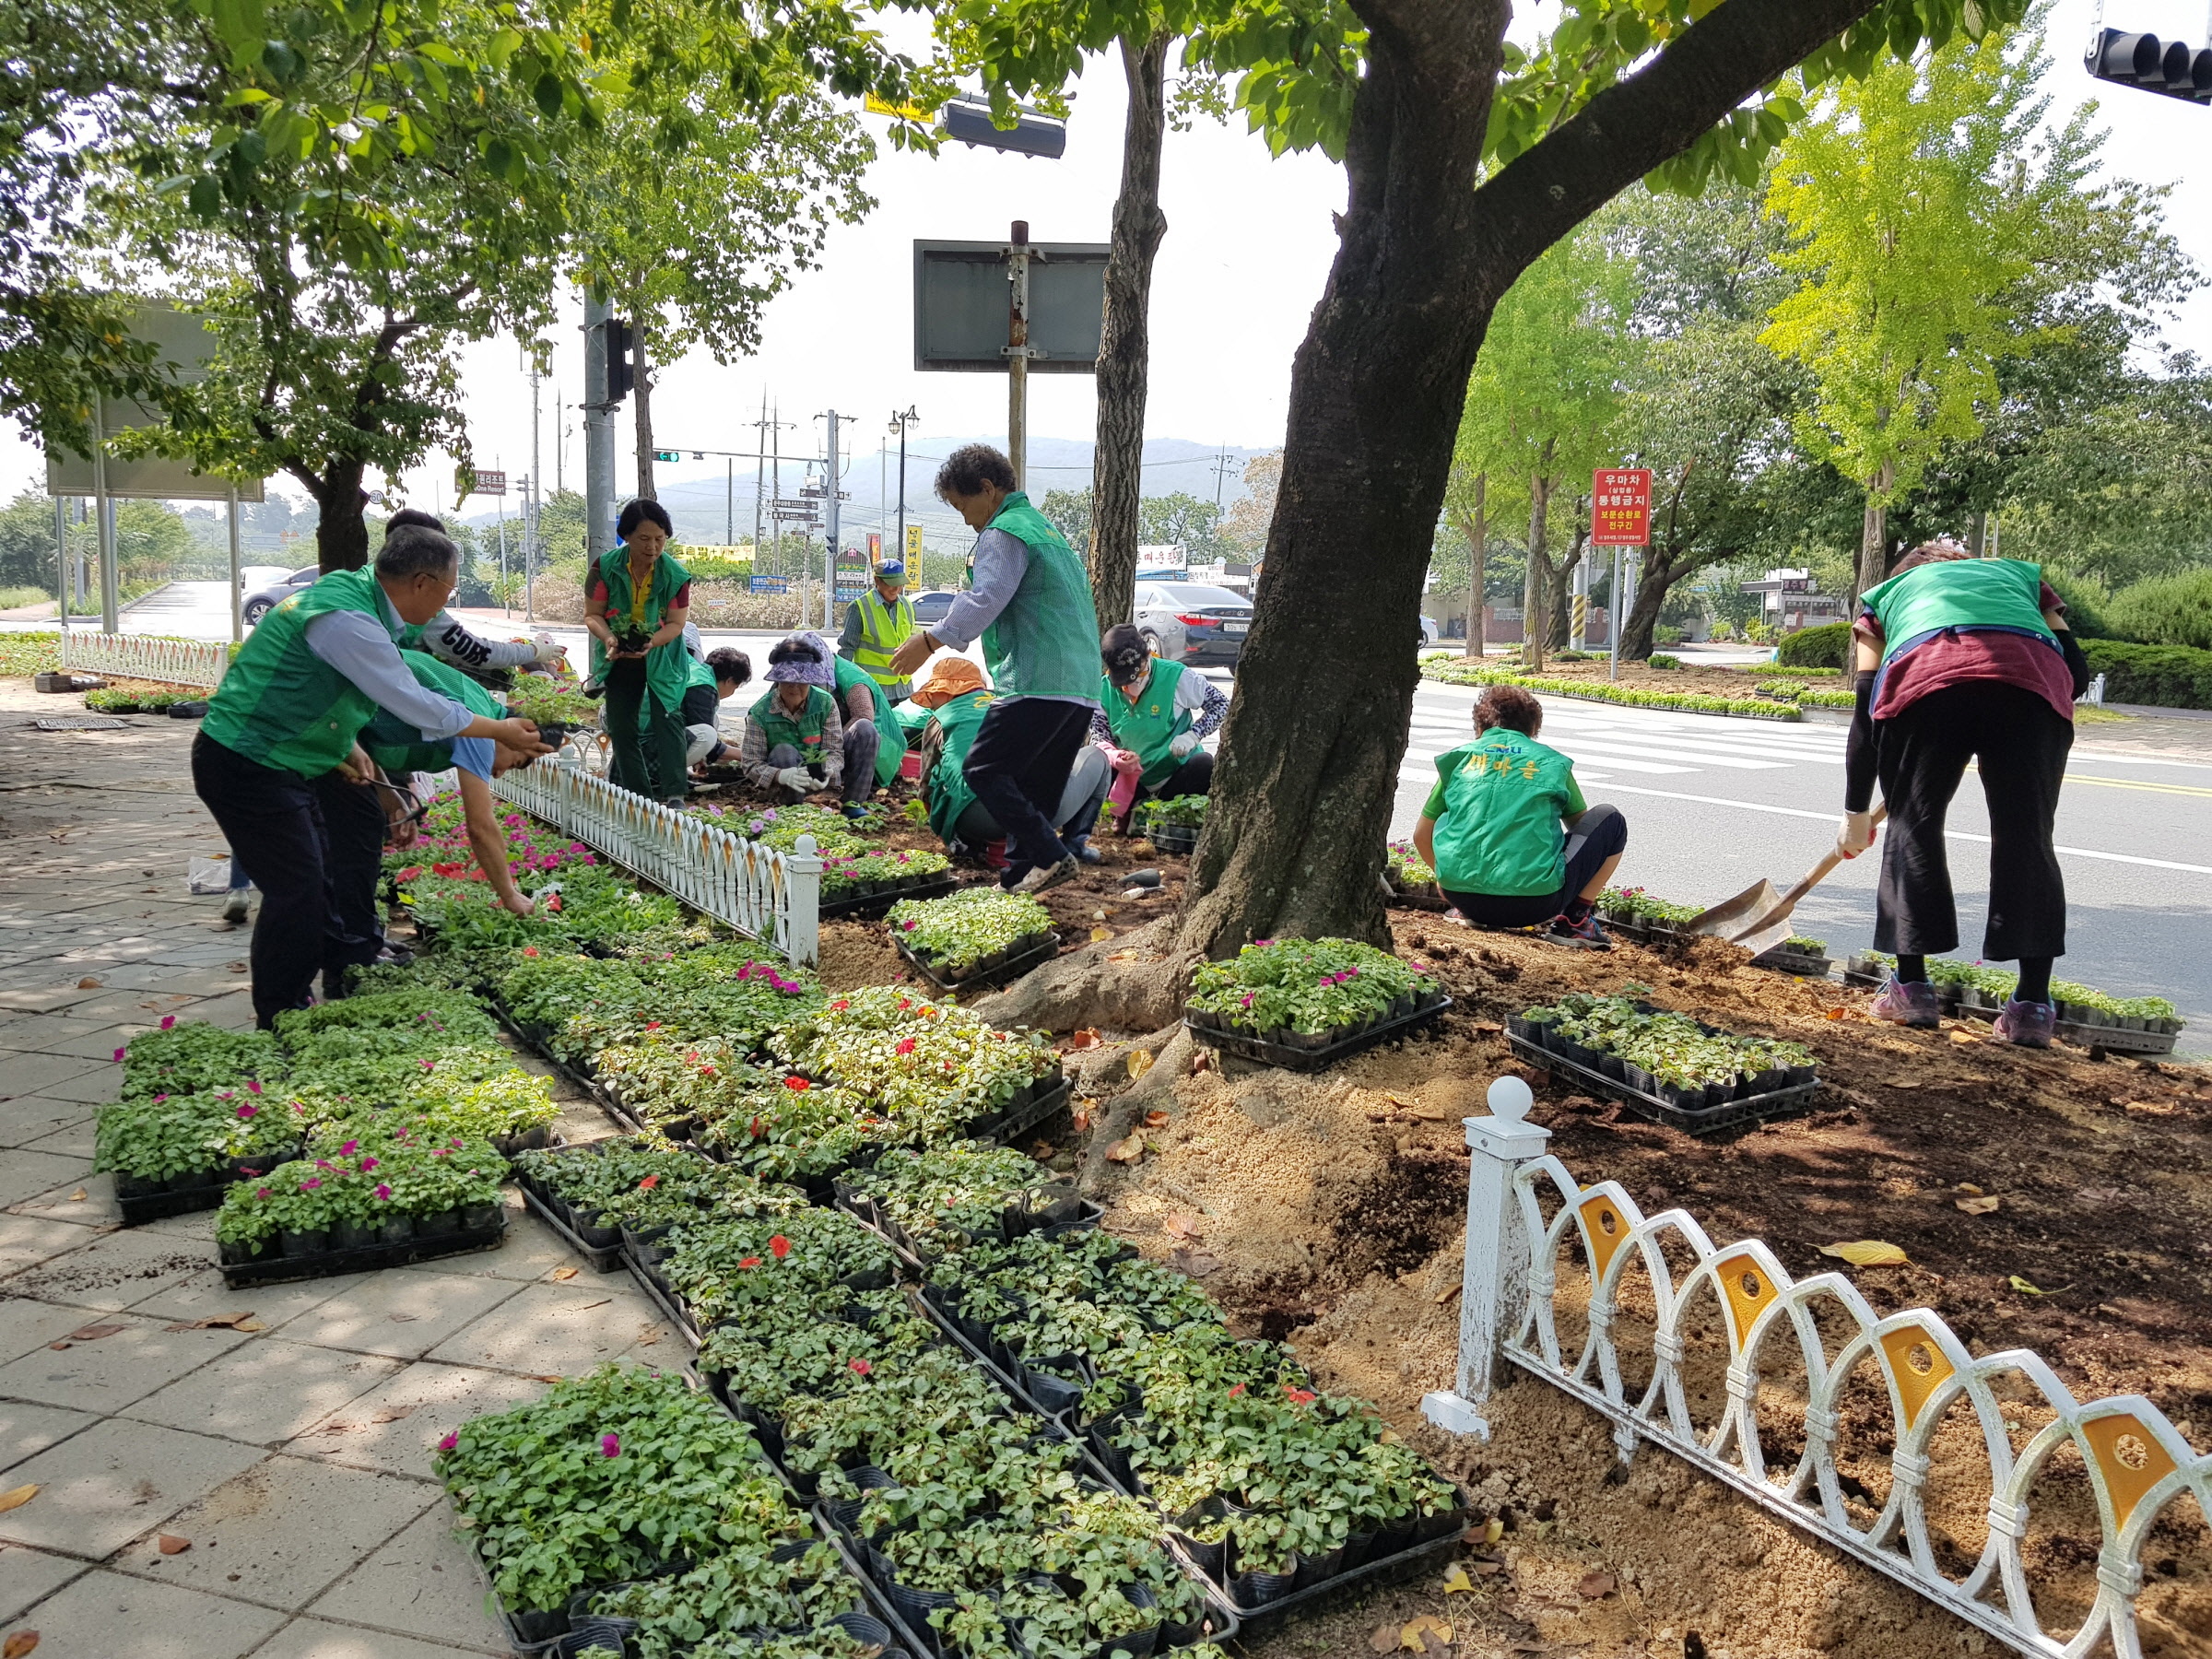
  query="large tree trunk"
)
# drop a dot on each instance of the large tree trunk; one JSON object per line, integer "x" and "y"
{"x": 643, "y": 390}
{"x": 1304, "y": 790}
{"x": 1125, "y": 338}
{"x": 1660, "y": 572}
{"x": 1562, "y": 591}
{"x": 1476, "y": 526}
{"x": 1873, "y": 535}
{"x": 1536, "y": 587}
{"x": 342, "y": 528}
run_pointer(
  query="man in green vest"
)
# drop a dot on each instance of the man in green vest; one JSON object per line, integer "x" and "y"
{"x": 877, "y": 624}
{"x": 279, "y": 763}
{"x": 1028, "y": 601}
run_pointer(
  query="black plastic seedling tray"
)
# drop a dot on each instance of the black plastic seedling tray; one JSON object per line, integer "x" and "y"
{"x": 603, "y": 1258}
{"x": 1694, "y": 1120}
{"x": 203, "y": 1194}
{"x": 2081, "y": 1034}
{"x": 1789, "y": 962}
{"x": 1264, "y": 1052}
{"x": 1078, "y": 1214}
{"x": 1178, "y": 840}
{"x": 868, "y": 905}
{"x": 277, "y": 1268}
{"x": 1022, "y": 956}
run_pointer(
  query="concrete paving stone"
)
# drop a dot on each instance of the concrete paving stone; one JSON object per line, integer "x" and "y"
{"x": 532, "y": 1250}
{"x": 96, "y": 1208}
{"x": 97, "y": 1087}
{"x": 402, "y": 1315}
{"x": 28, "y": 1239}
{"x": 115, "y": 1270}
{"x": 549, "y": 1329}
{"x": 399, "y": 1425}
{"x": 26, "y": 1326}
{"x": 99, "y": 1043}
{"x": 71, "y": 1140}
{"x": 27, "y": 1073}
{"x": 195, "y": 1224}
{"x": 152, "y": 977}
{"x": 284, "y": 1531}
{"x": 117, "y": 1616}
{"x": 43, "y": 998}
{"x": 319, "y": 1639}
{"x": 421, "y": 1584}
{"x": 27, "y": 1430}
{"x": 27, "y": 1119}
{"x": 24, "y": 1175}
{"x": 117, "y": 1004}
{"x": 265, "y": 1392}
{"x": 108, "y": 1373}
{"x": 30, "y": 1576}
{"x": 99, "y": 1490}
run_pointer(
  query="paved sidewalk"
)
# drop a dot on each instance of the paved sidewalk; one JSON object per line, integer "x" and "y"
{"x": 293, "y": 1455}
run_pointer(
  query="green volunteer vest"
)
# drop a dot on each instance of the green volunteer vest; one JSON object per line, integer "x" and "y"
{"x": 804, "y": 731}
{"x": 282, "y": 705}
{"x": 883, "y": 628}
{"x": 696, "y": 672}
{"x": 1500, "y": 832}
{"x": 398, "y": 746}
{"x": 1958, "y": 592}
{"x": 1045, "y": 643}
{"x": 665, "y": 671}
{"x": 890, "y": 736}
{"x": 948, "y": 792}
{"x": 1148, "y": 725}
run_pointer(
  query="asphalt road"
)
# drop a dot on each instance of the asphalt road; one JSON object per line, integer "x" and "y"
{"x": 1715, "y": 804}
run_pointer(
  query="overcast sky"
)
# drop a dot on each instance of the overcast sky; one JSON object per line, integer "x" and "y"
{"x": 1247, "y": 250}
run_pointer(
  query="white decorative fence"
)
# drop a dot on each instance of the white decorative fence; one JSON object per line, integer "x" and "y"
{"x": 146, "y": 657}
{"x": 770, "y": 896}
{"x": 2133, "y": 1462}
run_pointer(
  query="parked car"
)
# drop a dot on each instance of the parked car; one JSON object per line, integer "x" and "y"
{"x": 1193, "y": 621}
{"x": 262, "y": 600}
{"x": 1428, "y": 632}
{"x": 931, "y": 607}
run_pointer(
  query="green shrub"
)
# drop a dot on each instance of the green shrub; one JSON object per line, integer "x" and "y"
{"x": 2165, "y": 610}
{"x": 1460, "y": 673}
{"x": 2166, "y": 676}
{"x": 1659, "y": 659}
{"x": 1822, "y": 647}
{"x": 2088, "y": 602}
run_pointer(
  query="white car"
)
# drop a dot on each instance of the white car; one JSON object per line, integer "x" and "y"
{"x": 1429, "y": 633}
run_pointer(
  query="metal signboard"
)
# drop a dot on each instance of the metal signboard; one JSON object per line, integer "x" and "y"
{"x": 770, "y": 585}
{"x": 183, "y": 342}
{"x": 961, "y": 305}
{"x": 490, "y": 483}
{"x": 1620, "y": 507}
{"x": 913, "y": 542}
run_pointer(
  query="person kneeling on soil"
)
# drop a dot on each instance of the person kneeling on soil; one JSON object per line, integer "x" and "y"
{"x": 794, "y": 739}
{"x": 1961, "y": 658}
{"x": 398, "y": 749}
{"x": 712, "y": 682}
{"x": 1152, "y": 716}
{"x": 875, "y": 740}
{"x": 1508, "y": 833}
{"x": 956, "y": 691}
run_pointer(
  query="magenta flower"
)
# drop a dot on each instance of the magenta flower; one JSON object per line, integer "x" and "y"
{"x": 118, "y": 1053}
{"x": 261, "y": 1192}
{"x": 252, "y": 1085}
{"x": 610, "y": 1446}
{"x": 310, "y": 1184}
{"x": 159, "y": 1098}
{"x": 369, "y": 1163}
{"x": 247, "y": 1112}
{"x": 168, "y": 1021}
{"x": 450, "y": 1441}
{"x": 347, "y": 1149}
{"x": 383, "y": 1191}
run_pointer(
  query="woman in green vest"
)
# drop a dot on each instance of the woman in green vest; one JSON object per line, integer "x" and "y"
{"x": 1028, "y": 601}
{"x": 958, "y": 702}
{"x": 635, "y": 602}
{"x": 1506, "y": 832}
{"x": 875, "y": 741}
{"x": 1962, "y": 659}
{"x": 1154, "y": 715}
{"x": 795, "y": 738}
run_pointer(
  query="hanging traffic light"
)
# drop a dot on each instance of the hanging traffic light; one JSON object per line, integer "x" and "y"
{"x": 621, "y": 375}
{"x": 2143, "y": 61}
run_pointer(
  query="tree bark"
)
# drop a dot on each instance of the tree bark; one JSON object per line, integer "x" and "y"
{"x": 1873, "y": 535}
{"x": 643, "y": 390}
{"x": 1303, "y": 793}
{"x": 1660, "y": 572}
{"x": 1124, "y": 338}
{"x": 1475, "y": 527}
{"x": 341, "y": 525}
{"x": 1535, "y": 586}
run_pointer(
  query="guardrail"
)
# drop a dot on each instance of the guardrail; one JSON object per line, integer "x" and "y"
{"x": 146, "y": 657}
{"x": 766, "y": 895}
{"x": 2133, "y": 1461}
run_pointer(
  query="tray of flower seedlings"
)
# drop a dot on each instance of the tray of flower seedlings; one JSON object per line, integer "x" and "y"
{"x": 1173, "y": 826}
{"x": 365, "y": 1197}
{"x": 978, "y": 936}
{"x": 704, "y": 1270}
{"x": 2087, "y": 1016}
{"x": 584, "y": 1191}
{"x": 1797, "y": 955}
{"x": 941, "y": 1199}
{"x": 174, "y": 1154}
{"x": 625, "y": 1509}
{"x": 1306, "y": 1004}
{"x": 864, "y": 884}
{"x": 1668, "y": 1067}
{"x": 194, "y": 1057}
{"x": 1412, "y": 884}
{"x": 1645, "y": 918}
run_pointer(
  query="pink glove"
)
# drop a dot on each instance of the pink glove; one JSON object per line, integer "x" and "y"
{"x": 1128, "y": 770}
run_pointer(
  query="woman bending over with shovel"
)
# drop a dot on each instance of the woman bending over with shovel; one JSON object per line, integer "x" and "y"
{"x": 1508, "y": 833}
{"x": 1963, "y": 659}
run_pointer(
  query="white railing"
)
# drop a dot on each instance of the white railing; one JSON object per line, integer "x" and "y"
{"x": 146, "y": 657}
{"x": 2016, "y": 1418}
{"x": 770, "y": 896}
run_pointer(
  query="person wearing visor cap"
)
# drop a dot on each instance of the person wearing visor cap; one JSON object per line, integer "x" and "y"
{"x": 877, "y": 624}
{"x": 795, "y": 738}
{"x": 1152, "y": 716}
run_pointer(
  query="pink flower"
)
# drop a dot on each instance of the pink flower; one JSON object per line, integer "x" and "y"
{"x": 311, "y": 1184}
{"x": 261, "y": 1192}
{"x": 383, "y": 1191}
{"x": 369, "y": 1163}
{"x": 450, "y": 1441}
{"x": 610, "y": 1446}
{"x": 168, "y": 1021}
{"x": 347, "y": 1149}
{"x": 859, "y": 1367}
{"x": 247, "y": 1112}
{"x": 118, "y": 1053}
{"x": 159, "y": 1098}
{"x": 254, "y": 1085}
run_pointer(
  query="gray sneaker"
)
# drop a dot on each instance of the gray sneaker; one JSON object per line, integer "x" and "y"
{"x": 1048, "y": 876}
{"x": 234, "y": 908}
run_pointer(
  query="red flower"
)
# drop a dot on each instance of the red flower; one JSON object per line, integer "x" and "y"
{"x": 859, "y": 1366}
{"x": 1236, "y": 1391}
{"x": 756, "y": 1128}
{"x": 840, "y": 1007}
{"x": 529, "y": 951}
{"x": 906, "y": 1046}
{"x": 751, "y": 1261}
{"x": 796, "y": 1085}
{"x": 1301, "y": 1397}
{"x": 779, "y": 1247}
{"x": 648, "y": 1182}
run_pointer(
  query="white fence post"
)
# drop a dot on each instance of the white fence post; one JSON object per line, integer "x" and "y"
{"x": 1494, "y": 1292}
{"x": 802, "y": 908}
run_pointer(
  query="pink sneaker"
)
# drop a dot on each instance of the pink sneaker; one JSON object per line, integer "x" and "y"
{"x": 1907, "y": 1003}
{"x": 2029, "y": 1024}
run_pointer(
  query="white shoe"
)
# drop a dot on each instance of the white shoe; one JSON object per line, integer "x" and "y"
{"x": 234, "y": 908}
{"x": 1048, "y": 876}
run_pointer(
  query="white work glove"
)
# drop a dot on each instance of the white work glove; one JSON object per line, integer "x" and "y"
{"x": 1182, "y": 744}
{"x": 548, "y": 652}
{"x": 797, "y": 779}
{"x": 1856, "y": 834}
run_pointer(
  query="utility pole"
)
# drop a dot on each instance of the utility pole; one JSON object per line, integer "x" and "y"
{"x": 902, "y": 421}
{"x": 760, "y": 476}
{"x": 598, "y": 432}
{"x": 561, "y": 431}
{"x": 1221, "y": 474}
{"x": 530, "y": 493}
{"x": 829, "y": 546}
{"x": 729, "y": 502}
{"x": 1017, "y": 352}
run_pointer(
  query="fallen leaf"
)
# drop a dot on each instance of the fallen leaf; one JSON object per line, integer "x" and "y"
{"x": 93, "y": 1333}
{"x": 647, "y": 1335}
{"x": 552, "y": 1379}
{"x": 17, "y": 1498}
{"x": 564, "y": 1273}
{"x": 1079, "y": 1114}
{"x": 1040, "y": 1150}
{"x": 1493, "y": 1529}
{"x": 170, "y": 1543}
{"x": 1101, "y": 932}
{"x": 2024, "y": 1288}
{"x": 1390, "y": 1437}
{"x": 19, "y": 1644}
{"x": 403, "y": 1318}
{"x": 1086, "y": 1038}
{"x": 393, "y": 1414}
{"x": 1456, "y": 1583}
{"x": 1422, "y": 1634}
{"x": 89, "y": 984}
{"x": 78, "y": 1196}
{"x": 1969, "y": 1188}
{"x": 60, "y": 1346}
{"x": 1597, "y": 1584}
{"x": 249, "y": 1325}
{"x": 1122, "y": 955}
{"x": 1196, "y": 1264}
{"x": 238, "y": 967}
{"x": 1183, "y": 1227}
{"x": 1903, "y": 1083}
{"x": 1977, "y": 1206}
{"x": 1138, "y": 1063}
{"x": 1867, "y": 1253}
{"x": 1446, "y": 1294}
{"x": 1384, "y": 1639}
{"x": 1155, "y": 1120}
{"x": 1837, "y": 1012}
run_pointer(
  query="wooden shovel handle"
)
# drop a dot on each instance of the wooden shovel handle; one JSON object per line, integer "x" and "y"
{"x": 1818, "y": 873}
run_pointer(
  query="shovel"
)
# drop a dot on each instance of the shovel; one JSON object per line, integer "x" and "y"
{"x": 1759, "y": 917}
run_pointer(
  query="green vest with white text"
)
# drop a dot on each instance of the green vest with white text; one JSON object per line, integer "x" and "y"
{"x": 1148, "y": 726}
{"x": 946, "y": 785}
{"x": 890, "y": 736}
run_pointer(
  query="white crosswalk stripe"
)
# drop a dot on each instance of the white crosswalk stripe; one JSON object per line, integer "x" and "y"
{"x": 1649, "y": 742}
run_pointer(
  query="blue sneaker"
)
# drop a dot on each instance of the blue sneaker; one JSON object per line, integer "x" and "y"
{"x": 1079, "y": 847}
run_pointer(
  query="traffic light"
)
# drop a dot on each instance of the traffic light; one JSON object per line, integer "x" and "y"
{"x": 968, "y": 118}
{"x": 621, "y": 374}
{"x": 667, "y": 454}
{"x": 2172, "y": 67}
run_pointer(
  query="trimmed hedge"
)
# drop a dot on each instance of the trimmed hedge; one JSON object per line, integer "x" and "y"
{"x": 1452, "y": 673}
{"x": 2166, "y": 610}
{"x": 2165, "y": 677}
{"x": 1822, "y": 647}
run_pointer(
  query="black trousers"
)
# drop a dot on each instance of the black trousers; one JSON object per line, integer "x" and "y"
{"x": 2019, "y": 743}
{"x": 650, "y": 762}
{"x": 1601, "y": 834}
{"x": 1018, "y": 766}
{"x": 1195, "y": 776}
{"x": 277, "y": 822}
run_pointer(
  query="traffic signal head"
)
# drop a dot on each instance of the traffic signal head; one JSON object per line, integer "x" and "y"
{"x": 621, "y": 374}
{"x": 2175, "y": 68}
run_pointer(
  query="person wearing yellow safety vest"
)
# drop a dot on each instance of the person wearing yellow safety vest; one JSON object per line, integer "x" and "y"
{"x": 877, "y": 624}
{"x": 279, "y": 764}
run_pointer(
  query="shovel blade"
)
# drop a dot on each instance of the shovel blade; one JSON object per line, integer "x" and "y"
{"x": 1747, "y": 908}
{"x": 1764, "y": 935}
